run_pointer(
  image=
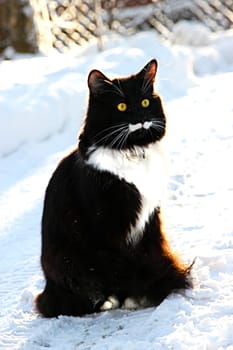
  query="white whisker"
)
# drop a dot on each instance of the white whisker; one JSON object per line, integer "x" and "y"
{"x": 158, "y": 125}
{"x": 117, "y": 126}
{"x": 118, "y": 89}
{"x": 118, "y": 138}
{"x": 124, "y": 139}
{"x": 110, "y": 127}
{"x": 158, "y": 121}
{"x": 145, "y": 85}
{"x": 106, "y": 137}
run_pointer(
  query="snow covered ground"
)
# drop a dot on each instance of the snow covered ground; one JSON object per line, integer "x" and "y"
{"x": 42, "y": 102}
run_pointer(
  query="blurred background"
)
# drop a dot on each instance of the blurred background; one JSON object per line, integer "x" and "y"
{"x": 31, "y": 26}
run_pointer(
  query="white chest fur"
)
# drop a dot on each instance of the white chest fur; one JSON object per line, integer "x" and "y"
{"x": 147, "y": 173}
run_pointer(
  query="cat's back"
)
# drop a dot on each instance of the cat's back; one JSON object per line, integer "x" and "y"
{"x": 63, "y": 185}
{"x": 68, "y": 170}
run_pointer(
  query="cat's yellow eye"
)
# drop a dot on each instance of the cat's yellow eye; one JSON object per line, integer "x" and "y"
{"x": 122, "y": 107}
{"x": 145, "y": 103}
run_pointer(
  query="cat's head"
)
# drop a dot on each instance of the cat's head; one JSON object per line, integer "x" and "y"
{"x": 123, "y": 113}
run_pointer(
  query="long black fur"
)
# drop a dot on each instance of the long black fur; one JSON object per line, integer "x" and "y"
{"x": 87, "y": 214}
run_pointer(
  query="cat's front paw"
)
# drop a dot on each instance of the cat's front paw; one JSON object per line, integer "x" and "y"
{"x": 134, "y": 304}
{"x": 111, "y": 303}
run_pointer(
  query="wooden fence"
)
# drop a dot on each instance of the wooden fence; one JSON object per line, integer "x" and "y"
{"x": 66, "y": 24}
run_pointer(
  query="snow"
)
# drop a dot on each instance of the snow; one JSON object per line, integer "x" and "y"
{"x": 42, "y": 102}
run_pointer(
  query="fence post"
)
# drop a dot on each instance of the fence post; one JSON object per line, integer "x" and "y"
{"x": 44, "y": 24}
{"x": 99, "y": 23}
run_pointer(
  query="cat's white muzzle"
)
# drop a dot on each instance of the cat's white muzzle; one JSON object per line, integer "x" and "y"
{"x": 134, "y": 127}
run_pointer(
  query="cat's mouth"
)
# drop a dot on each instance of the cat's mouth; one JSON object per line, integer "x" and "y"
{"x": 134, "y": 127}
{"x": 126, "y": 135}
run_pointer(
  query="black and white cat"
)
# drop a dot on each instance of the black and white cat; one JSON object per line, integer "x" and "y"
{"x": 103, "y": 244}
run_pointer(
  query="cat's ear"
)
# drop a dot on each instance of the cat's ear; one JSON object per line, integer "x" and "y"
{"x": 97, "y": 82}
{"x": 148, "y": 73}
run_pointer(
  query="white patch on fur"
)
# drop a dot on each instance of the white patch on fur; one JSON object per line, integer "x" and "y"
{"x": 130, "y": 304}
{"x": 111, "y": 303}
{"x": 146, "y": 169}
{"x": 147, "y": 125}
{"x": 135, "y": 304}
{"x": 134, "y": 127}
